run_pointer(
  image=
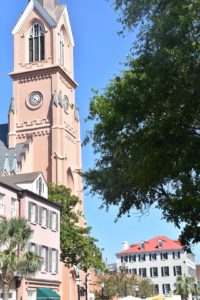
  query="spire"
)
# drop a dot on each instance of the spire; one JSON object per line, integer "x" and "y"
{"x": 6, "y": 165}
{"x": 14, "y": 165}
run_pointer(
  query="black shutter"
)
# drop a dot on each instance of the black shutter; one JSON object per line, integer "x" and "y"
{"x": 151, "y": 272}
{"x": 40, "y": 215}
{"x": 47, "y": 259}
{"x": 36, "y": 249}
{"x": 36, "y": 213}
{"x": 174, "y": 271}
{"x": 56, "y": 222}
{"x": 47, "y": 219}
{"x": 162, "y": 271}
{"x": 57, "y": 260}
{"x": 173, "y": 255}
{"x": 50, "y": 219}
{"x": 29, "y": 211}
{"x": 163, "y": 286}
{"x": 178, "y": 254}
{"x": 50, "y": 260}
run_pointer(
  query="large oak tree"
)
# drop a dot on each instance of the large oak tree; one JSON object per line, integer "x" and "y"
{"x": 146, "y": 123}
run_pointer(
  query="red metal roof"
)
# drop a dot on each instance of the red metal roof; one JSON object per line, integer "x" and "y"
{"x": 152, "y": 245}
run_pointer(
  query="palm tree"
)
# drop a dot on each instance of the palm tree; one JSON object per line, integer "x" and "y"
{"x": 185, "y": 286}
{"x": 14, "y": 259}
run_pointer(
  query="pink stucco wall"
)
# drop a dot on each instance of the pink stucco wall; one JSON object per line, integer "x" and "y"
{"x": 40, "y": 236}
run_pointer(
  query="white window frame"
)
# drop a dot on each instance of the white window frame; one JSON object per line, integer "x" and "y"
{"x": 164, "y": 256}
{"x": 153, "y": 256}
{"x": 177, "y": 271}
{"x": 166, "y": 288}
{"x": 44, "y": 255}
{"x": 142, "y": 257}
{"x": 33, "y": 212}
{"x": 54, "y": 221}
{"x": 176, "y": 255}
{"x": 165, "y": 271}
{"x": 143, "y": 272}
{"x": 154, "y": 272}
{"x": 13, "y": 207}
{"x": 44, "y": 217}
{"x": 36, "y": 32}
{"x": 54, "y": 262}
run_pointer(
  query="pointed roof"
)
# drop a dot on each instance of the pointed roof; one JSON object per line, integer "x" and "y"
{"x": 51, "y": 18}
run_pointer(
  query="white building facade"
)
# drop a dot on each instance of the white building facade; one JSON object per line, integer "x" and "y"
{"x": 160, "y": 259}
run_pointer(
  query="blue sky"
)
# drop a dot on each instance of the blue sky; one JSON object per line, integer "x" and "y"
{"x": 99, "y": 52}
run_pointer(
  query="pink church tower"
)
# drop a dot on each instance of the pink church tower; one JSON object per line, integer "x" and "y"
{"x": 44, "y": 128}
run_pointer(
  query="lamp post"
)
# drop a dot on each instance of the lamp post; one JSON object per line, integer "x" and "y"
{"x": 87, "y": 280}
{"x": 78, "y": 283}
{"x": 136, "y": 288}
{"x": 102, "y": 291}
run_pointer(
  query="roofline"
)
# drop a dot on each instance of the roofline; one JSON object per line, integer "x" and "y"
{"x": 149, "y": 251}
{"x": 27, "y": 192}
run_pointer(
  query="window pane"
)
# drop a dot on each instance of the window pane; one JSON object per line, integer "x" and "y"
{"x": 42, "y": 48}
{"x": 31, "y": 50}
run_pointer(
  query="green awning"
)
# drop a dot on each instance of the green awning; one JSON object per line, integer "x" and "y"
{"x": 47, "y": 294}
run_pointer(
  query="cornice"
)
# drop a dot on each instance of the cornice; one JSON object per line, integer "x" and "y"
{"x": 42, "y": 73}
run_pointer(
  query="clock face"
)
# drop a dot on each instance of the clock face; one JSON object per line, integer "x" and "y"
{"x": 35, "y": 99}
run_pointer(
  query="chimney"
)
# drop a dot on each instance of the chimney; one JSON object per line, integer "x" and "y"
{"x": 125, "y": 245}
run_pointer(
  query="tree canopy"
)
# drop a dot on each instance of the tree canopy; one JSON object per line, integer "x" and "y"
{"x": 122, "y": 285}
{"x": 77, "y": 246}
{"x": 146, "y": 122}
{"x": 185, "y": 286}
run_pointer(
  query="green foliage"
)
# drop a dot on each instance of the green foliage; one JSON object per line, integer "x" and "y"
{"x": 185, "y": 286}
{"x": 121, "y": 285}
{"x": 14, "y": 259}
{"x": 146, "y": 131}
{"x": 77, "y": 246}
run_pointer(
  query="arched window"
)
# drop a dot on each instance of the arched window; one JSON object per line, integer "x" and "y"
{"x": 62, "y": 48}
{"x": 36, "y": 43}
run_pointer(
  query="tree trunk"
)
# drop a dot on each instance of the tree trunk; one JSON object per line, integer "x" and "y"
{"x": 6, "y": 287}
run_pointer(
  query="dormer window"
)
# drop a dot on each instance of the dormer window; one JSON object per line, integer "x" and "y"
{"x": 142, "y": 245}
{"x": 62, "y": 48}
{"x": 160, "y": 244}
{"x": 36, "y": 43}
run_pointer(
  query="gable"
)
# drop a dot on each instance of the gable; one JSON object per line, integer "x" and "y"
{"x": 33, "y": 4}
